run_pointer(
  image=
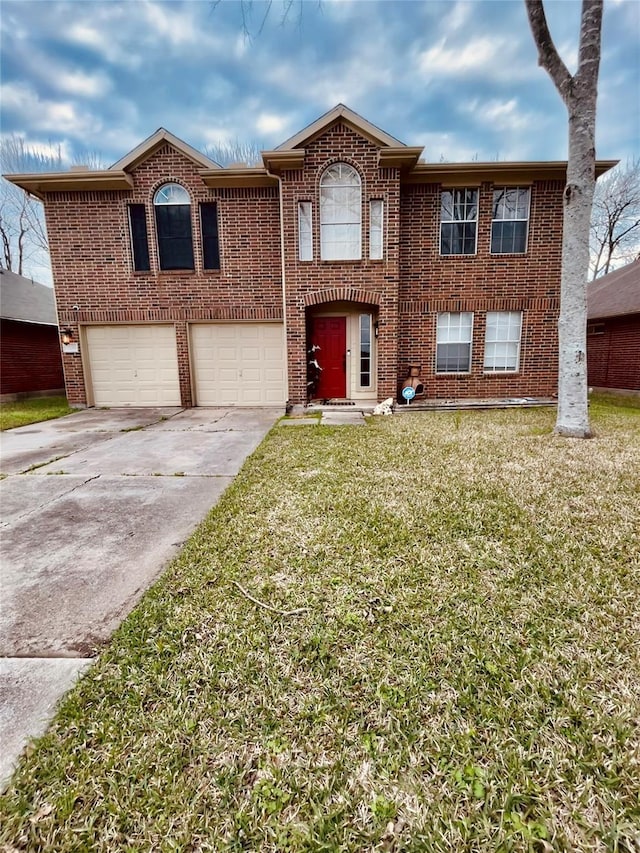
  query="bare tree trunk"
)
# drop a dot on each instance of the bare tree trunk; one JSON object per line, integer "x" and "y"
{"x": 6, "y": 244}
{"x": 579, "y": 94}
{"x": 573, "y": 414}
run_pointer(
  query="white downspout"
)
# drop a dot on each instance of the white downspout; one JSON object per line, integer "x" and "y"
{"x": 284, "y": 293}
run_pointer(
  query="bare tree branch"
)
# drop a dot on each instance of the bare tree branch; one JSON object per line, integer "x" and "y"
{"x": 615, "y": 220}
{"x": 226, "y": 153}
{"x": 548, "y": 56}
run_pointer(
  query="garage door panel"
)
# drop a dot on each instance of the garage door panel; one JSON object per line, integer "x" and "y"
{"x": 133, "y": 365}
{"x": 238, "y": 364}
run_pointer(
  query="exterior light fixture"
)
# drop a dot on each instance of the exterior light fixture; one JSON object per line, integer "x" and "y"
{"x": 66, "y": 335}
{"x": 376, "y": 328}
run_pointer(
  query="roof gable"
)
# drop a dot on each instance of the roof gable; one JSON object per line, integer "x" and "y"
{"x": 341, "y": 113}
{"x": 148, "y": 147}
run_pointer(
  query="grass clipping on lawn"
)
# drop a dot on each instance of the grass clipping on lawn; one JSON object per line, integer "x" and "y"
{"x": 465, "y": 674}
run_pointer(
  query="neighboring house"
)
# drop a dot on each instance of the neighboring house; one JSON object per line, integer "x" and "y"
{"x": 30, "y": 360}
{"x": 613, "y": 329}
{"x": 188, "y": 283}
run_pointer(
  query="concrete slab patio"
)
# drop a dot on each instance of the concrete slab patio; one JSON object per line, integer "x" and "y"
{"x": 79, "y": 548}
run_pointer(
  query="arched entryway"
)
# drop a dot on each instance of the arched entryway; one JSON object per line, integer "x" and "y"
{"x": 341, "y": 351}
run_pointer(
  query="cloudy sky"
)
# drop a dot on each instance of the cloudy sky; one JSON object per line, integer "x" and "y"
{"x": 459, "y": 78}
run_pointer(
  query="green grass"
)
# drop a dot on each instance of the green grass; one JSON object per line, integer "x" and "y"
{"x": 465, "y": 676}
{"x": 31, "y": 411}
{"x": 618, "y": 400}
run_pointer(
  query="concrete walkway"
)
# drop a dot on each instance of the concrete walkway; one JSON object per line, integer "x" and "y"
{"x": 93, "y": 507}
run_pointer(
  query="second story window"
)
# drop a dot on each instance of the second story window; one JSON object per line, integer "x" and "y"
{"x": 305, "y": 231}
{"x": 510, "y": 220}
{"x": 376, "y": 218}
{"x": 172, "y": 206}
{"x": 340, "y": 214}
{"x": 139, "y": 240}
{"x": 458, "y": 222}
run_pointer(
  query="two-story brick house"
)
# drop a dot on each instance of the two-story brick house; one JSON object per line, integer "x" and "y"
{"x": 186, "y": 283}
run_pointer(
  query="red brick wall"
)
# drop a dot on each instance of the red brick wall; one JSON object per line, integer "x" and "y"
{"x": 431, "y": 283}
{"x": 29, "y": 358}
{"x": 613, "y": 358}
{"x": 92, "y": 266}
{"x": 95, "y": 283}
{"x": 375, "y": 281}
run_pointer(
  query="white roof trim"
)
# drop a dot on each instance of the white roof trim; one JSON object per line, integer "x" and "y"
{"x": 341, "y": 111}
{"x": 163, "y": 135}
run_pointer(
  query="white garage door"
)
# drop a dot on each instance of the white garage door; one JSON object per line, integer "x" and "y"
{"x": 238, "y": 364}
{"x": 133, "y": 365}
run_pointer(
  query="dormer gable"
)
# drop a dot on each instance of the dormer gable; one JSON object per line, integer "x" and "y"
{"x": 151, "y": 144}
{"x": 290, "y": 154}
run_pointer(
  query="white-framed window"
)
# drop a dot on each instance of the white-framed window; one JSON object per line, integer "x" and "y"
{"x": 458, "y": 222}
{"x": 305, "y": 231}
{"x": 172, "y": 205}
{"x": 502, "y": 341}
{"x": 340, "y": 214}
{"x": 365, "y": 350}
{"x": 453, "y": 342}
{"x": 376, "y": 229}
{"x": 510, "y": 220}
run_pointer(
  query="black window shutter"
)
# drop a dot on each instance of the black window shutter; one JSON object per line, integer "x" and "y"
{"x": 139, "y": 240}
{"x": 210, "y": 247}
{"x": 175, "y": 243}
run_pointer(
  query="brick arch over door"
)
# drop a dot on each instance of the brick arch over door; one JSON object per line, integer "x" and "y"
{"x": 342, "y": 294}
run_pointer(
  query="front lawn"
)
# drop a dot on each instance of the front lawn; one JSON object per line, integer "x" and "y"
{"x": 456, "y": 666}
{"x": 32, "y": 410}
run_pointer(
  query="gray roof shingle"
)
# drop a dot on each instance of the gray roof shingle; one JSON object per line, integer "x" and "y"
{"x": 616, "y": 293}
{"x": 26, "y": 300}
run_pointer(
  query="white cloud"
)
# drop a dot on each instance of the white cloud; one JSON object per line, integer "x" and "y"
{"x": 271, "y": 123}
{"x": 82, "y": 83}
{"x": 176, "y": 26}
{"x": 476, "y": 55}
{"x": 458, "y": 17}
{"x": 501, "y": 115}
{"x": 55, "y": 117}
{"x": 104, "y": 44}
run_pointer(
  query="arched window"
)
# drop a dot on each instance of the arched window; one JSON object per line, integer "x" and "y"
{"x": 340, "y": 214}
{"x": 172, "y": 206}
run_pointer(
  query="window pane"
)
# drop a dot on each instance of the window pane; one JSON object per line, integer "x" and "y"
{"x": 139, "y": 239}
{"x": 305, "y": 232}
{"x": 365, "y": 350}
{"x": 175, "y": 244}
{"x": 340, "y": 242}
{"x": 453, "y": 358}
{"x": 510, "y": 220}
{"x": 375, "y": 230}
{"x": 453, "y": 350}
{"x": 459, "y": 212}
{"x": 502, "y": 341}
{"x": 447, "y": 205}
{"x": 340, "y": 213}
{"x": 171, "y": 194}
{"x": 210, "y": 245}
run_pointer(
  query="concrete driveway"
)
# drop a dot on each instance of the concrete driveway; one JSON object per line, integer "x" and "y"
{"x": 93, "y": 507}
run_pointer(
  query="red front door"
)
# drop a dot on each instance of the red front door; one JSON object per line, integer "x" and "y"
{"x": 330, "y": 335}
